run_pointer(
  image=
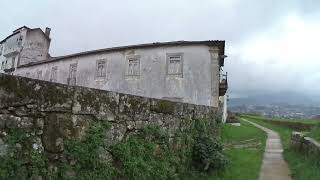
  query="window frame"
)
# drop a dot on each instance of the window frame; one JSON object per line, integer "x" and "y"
{"x": 39, "y": 74}
{"x": 54, "y": 74}
{"x": 133, "y": 58}
{"x": 1, "y": 49}
{"x": 13, "y": 61}
{"x": 169, "y": 55}
{"x": 75, "y": 66}
{"x": 103, "y": 74}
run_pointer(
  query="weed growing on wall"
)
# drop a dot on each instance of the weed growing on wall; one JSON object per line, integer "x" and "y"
{"x": 153, "y": 154}
{"x": 24, "y": 159}
{"x": 207, "y": 148}
{"x": 150, "y": 153}
{"x": 146, "y": 155}
{"x": 87, "y": 157}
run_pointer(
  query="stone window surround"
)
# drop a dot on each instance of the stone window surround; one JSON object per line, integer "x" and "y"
{"x": 104, "y": 70}
{"x": 1, "y": 48}
{"x": 54, "y": 74}
{"x": 168, "y": 55}
{"x": 134, "y": 58}
{"x": 13, "y": 61}
{"x": 39, "y": 74}
{"x": 72, "y": 78}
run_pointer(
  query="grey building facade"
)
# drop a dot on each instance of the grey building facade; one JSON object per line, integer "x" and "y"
{"x": 184, "y": 71}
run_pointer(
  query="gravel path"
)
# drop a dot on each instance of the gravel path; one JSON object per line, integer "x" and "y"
{"x": 273, "y": 166}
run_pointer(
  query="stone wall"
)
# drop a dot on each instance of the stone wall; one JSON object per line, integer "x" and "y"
{"x": 305, "y": 145}
{"x": 52, "y": 112}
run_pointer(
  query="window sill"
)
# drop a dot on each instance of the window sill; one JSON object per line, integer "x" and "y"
{"x": 132, "y": 77}
{"x": 174, "y": 76}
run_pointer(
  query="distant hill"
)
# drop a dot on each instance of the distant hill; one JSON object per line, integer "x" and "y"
{"x": 288, "y": 98}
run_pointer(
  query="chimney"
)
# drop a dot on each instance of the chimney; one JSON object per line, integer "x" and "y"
{"x": 47, "y": 32}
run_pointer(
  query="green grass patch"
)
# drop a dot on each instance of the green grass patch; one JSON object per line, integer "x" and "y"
{"x": 295, "y": 124}
{"x": 315, "y": 133}
{"x": 244, "y": 163}
{"x": 302, "y": 167}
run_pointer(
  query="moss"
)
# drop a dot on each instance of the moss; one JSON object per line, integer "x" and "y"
{"x": 24, "y": 89}
{"x": 137, "y": 104}
{"x": 88, "y": 99}
{"x": 162, "y": 106}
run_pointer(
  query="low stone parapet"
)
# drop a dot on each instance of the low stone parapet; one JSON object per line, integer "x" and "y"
{"x": 306, "y": 145}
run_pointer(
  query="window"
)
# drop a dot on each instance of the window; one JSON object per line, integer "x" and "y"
{"x": 13, "y": 61}
{"x": 72, "y": 74}
{"x": 54, "y": 73}
{"x": 2, "y": 65}
{"x": 174, "y": 64}
{"x": 39, "y": 74}
{"x": 133, "y": 68}
{"x": 101, "y": 69}
{"x": 28, "y": 74}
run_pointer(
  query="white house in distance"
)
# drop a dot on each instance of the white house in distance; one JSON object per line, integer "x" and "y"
{"x": 184, "y": 71}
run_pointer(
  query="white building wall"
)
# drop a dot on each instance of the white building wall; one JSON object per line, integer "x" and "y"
{"x": 198, "y": 84}
{"x": 35, "y": 47}
{"x": 225, "y": 109}
{"x": 28, "y": 45}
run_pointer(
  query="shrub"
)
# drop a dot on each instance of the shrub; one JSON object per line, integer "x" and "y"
{"x": 207, "y": 148}
{"x": 22, "y": 161}
{"x": 145, "y": 155}
{"x": 315, "y": 132}
{"x": 85, "y": 156}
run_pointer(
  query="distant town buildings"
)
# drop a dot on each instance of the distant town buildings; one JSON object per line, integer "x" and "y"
{"x": 280, "y": 110}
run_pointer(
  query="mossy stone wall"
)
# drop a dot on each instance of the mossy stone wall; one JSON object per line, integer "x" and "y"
{"x": 55, "y": 112}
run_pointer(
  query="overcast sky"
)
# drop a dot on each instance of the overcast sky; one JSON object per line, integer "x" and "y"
{"x": 272, "y": 45}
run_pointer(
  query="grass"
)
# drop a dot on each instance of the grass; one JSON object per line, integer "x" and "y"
{"x": 302, "y": 167}
{"x": 296, "y": 124}
{"x": 244, "y": 163}
{"x": 315, "y": 133}
{"x": 305, "y": 121}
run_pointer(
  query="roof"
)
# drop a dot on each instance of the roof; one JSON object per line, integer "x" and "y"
{"x": 220, "y": 44}
{"x": 40, "y": 30}
{"x": 17, "y": 32}
{"x": 21, "y": 28}
{"x": 9, "y": 37}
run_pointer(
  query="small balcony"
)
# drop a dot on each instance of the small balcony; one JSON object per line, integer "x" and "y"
{"x": 8, "y": 70}
{"x": 12, "y": 51}
{"x": 223, "y": 86}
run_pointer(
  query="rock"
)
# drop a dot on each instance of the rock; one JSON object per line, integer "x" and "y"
{"x": 3, "y": 121}
{"x": 3, "y": 148}
{"x": 56, "y": 127}
{"x": 141, "y": 124}
{"x": 31, "y": 106}
{"x": 39, "y": 123}
{"x": 76, "y": 107}
{"x": 26, "y": 123}
{"x": 11, "y": 108}
{"x": 19, "y": 146}
{"x": 21, "y": 111}
{"x": 4, "y": 111}
{"x": 115, "y": 134}
{"x": 11, "y": 120}
{"x": 104, "y": 155}
{"x": 59, "y": 144}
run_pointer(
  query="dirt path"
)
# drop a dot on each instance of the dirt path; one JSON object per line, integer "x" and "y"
{"x": 273, "y": 166}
